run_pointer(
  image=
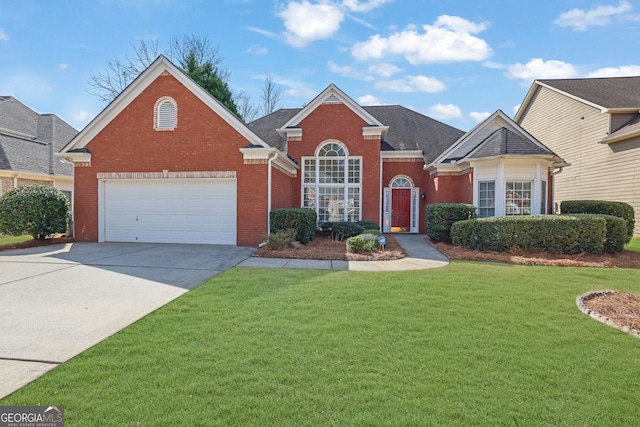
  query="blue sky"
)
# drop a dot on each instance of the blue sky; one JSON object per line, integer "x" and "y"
{"x": 454, "y": 60}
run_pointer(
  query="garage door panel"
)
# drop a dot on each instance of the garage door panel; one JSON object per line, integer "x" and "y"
{"x": 176, "y": 211}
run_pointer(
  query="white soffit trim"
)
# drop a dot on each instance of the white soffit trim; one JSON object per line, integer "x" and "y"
{"x": 409, "y": 154}
{"x": 135, "y": 88}
{"x": 259, "y": 153}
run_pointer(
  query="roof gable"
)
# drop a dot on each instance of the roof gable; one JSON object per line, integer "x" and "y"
{"x": 496, "y": 136}
{"x": 605, "y": 94}
{"x": 145, "y": 79}
{"x": 331, "y": 95}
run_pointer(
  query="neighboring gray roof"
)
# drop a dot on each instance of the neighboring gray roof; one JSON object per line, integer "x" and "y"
{"x": 502, "y": 142}
{"x": 408, "y": 130}
{"x": 28, "y": 140}
{"x": 628, "y": 130}
{"x": 608, "y": 92}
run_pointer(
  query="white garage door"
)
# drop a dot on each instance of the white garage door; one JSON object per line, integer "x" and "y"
{"x": 170, "y": 211}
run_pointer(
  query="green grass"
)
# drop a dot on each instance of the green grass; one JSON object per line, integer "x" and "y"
{"x": 13, "y": 240}
{"x": 471, "y": 344}
{"x": 634, "y": 245}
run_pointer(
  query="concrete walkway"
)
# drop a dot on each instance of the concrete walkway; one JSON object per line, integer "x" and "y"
{"x": 421, "y": 255}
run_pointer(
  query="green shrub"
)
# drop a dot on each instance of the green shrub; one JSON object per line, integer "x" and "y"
{"x": 281, "y": 239}
{"x": 326, "y": 226}
{"x": 343, "y": 230}
{"x": 365, "y": 242}
{"x": 602, "y": 207}
{"x": 441, "y": 216}
{"x": 37, "y": 210}
{"x": 303, "y": 220}
{"x": 616, "y": 235}
{"x": 549, "y": 233}
{"x": 368, "y": 225}
{"x": 355, "y": 244}
{"x": 372, "y": 231}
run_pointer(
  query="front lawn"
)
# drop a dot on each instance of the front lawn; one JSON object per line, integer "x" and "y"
{"x": 634, "y": 245}
{"x": 468, "y": 344}
{"x": 13, "y": 240}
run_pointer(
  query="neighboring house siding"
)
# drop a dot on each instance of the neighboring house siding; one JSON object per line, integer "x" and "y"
{"x": 573, "y": 130}
{"x": 202, "y": 141}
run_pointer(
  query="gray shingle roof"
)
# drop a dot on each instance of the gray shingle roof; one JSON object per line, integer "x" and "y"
{"x": 609, "y": 92}
{"x": 28, "y": 140}
{"x": 408, "y": 130}
{"x": 502, "y": 142}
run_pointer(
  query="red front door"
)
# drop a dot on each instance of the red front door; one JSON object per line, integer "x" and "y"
{"x": 401, "y": 207}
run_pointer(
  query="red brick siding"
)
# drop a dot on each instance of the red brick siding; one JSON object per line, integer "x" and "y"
{"x": 339, "y": 122}
{"x": 202, "y": 141}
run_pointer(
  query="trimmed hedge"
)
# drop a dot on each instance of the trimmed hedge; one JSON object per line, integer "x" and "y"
{"x": 616, "y": 232}
{"x": 342, "y": 230}
{"x": 556, "y": 234}
{"x": 368, "y": 225}
{"x": 602, "y": 207}
{"x": 37, "y": 210}
{"x": 303, "y": 220}
{"x": 441, "y": 216}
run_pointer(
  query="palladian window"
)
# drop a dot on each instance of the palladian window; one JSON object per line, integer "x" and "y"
{"x": 332, "y": 184}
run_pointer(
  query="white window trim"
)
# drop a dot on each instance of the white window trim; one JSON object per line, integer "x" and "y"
{"x": 316, "y": 185}
{"x": 156, "y": 114}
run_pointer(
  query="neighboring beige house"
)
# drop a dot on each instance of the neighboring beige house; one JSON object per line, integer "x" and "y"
{"x": 28, "y": 143}
{"x": 594, "y": 125}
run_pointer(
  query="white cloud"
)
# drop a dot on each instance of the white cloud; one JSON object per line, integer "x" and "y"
{"x": 82, "y": 116}
{"x": 3, "y": 35}
{"x": 369, "y": 100}
{"x": 537, "y": 68}
{"x": 580, "y": 19}
{"x": 623, "y": 71}
{"x": 479, "y": 116}
{"x": 347, "y": 71}
{"x": 306, "y": 22}
{"x": 363, "y": 6}
{"x": 63, "y": 67}
{"x": 258, "y": 50}
{"x": 516, "y": 108}
{"x": 449, "y": 39}
{"x": 384, "y": 69}
{"x": 445, "y": 111}
{"x": 410, "y": 84}
{"x": 262, "y": 32}
{"x": 494, "y": 65}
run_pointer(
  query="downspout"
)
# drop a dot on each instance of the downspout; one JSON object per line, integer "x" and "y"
{"x": 381, "y": 193}
{"x": 272, "y": 157}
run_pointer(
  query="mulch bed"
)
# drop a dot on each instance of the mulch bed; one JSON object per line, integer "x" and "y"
{"x": 325, "y": 248}
{"x": 626, "y": 259}
{"x": 622, "y": 308}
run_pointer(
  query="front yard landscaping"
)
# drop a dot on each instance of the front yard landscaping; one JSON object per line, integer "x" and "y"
{"x": 468, "y": 344}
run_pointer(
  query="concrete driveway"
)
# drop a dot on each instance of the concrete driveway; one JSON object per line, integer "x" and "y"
{"x": 58, "y": 301}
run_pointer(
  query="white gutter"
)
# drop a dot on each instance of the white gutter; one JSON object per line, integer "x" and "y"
{"x": 272, "y": 157}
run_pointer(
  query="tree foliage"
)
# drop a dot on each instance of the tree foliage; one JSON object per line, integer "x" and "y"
{"x": 37, "y": 210}
{"x": 206, "y": 75}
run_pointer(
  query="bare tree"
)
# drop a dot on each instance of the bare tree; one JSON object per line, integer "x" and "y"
{"x": 108, "y": 84}
{"x": 203, "y": 51}
{"x": 247, "y": 111}
{"x": 271, "y": 95}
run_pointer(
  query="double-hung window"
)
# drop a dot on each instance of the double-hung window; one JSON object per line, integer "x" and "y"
{"x": 518, "y": 198}
{"x": 486, "y": 199}
{"x": 332, "y": 184}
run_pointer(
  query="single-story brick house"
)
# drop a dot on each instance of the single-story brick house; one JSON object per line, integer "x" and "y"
{"x": 166, "y": 162}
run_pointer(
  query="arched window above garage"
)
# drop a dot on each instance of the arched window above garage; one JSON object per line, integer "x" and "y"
{"x": 165, "y": 115}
